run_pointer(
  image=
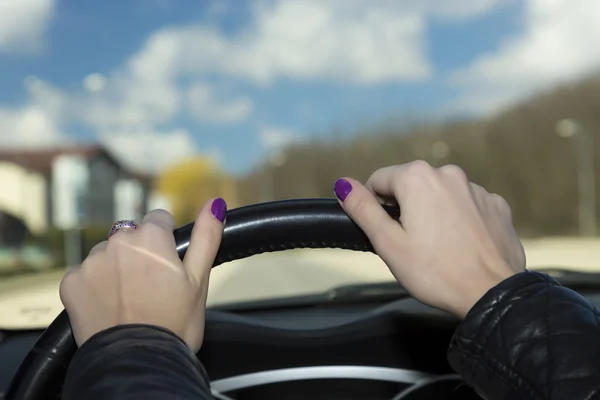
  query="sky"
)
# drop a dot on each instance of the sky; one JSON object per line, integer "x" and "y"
{"x": 156, "y": 81}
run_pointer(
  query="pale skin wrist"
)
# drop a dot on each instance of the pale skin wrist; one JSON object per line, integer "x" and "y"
{"x": 471, "y": 295}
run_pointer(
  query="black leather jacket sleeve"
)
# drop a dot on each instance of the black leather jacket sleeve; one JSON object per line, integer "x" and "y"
{"x": 135, "y": 362}
{"x": 530, "y": 338}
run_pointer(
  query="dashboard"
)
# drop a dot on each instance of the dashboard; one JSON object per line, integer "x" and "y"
{"x": 340, "y": 351}
{"x": 353, "y": 351}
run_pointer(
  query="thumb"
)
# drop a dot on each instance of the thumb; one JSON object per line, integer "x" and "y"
{"x": 205, "y": 239}
{"x": 366, "y": 211}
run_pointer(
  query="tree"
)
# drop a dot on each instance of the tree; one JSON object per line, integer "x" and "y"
{"x": 515, "y": 153}
{"x": 190, "y": 183}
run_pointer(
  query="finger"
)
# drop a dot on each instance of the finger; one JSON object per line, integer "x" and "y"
{"x": 120, "y": 233}
{"x": 475, "y": 188}
{"x": 387, "y": 200}
{"x": 69, "y": 281}
{"x": 379, "y": 183}
{"x": 364, "y": 209}
{"x": 161, "y": 218}
{"x": 479, "y": 194}
{"x": 98, "y": 248}
{"x": 71, "y": 270}
{"x": 205, "y": 239}
{"x": 381, "y": 197}
{"x": 390, "y": 182}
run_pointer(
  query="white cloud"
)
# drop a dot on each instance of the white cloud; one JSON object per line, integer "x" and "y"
{"x": 215, "y": 154}
{"x": 205, "y": 105}
{"x": 273, "y": 138}
{"x": 38, "y": 123}
{"x": 332, "y": 40}
{"x": 30, "y": 126}
{"x": 23, "y": 24}
{"x": 149, "y": 150}
{"x": 127, "y": 101}
{"x": 139, "y": 145}
{"x": 558, "y": 45}
{"x": 94, "y": 83}
{"x": 135, "y": 108}
{"x": 53, "y": 101}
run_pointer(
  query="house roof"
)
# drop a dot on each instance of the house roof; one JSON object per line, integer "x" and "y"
{"x": 40, "y": 160}
{"x": 142, "y": 176}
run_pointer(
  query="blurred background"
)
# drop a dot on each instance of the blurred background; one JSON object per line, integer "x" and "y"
{"x": 110, "y": 109}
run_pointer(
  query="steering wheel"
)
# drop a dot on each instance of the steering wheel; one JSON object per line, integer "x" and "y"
{"x": 250, "y": 230}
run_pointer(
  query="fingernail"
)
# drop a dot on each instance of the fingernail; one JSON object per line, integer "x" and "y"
{"x": 219, "y": 208}
{"x": 342, "y": 188}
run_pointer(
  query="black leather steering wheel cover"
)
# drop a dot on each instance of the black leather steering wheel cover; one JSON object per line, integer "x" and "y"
{"x": 250, "y": 230}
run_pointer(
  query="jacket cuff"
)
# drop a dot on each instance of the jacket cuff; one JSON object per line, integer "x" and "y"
{"x": 112, "y": 340}
{"x": 474, "y": 352}
{"x": 108, "y": 335}
{"x": 496, "y": 302}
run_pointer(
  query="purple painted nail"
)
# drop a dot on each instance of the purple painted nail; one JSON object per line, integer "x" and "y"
{"x": 219, "y": 208}
{"x": 342, "y": 188}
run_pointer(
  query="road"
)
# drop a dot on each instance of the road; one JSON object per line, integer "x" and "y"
{"x": 33, "y": 301}
{"x": 292, "y": 273}
{"x": 30, "y": 301}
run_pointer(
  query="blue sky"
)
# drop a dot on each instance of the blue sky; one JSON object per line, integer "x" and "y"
{"x": 158, "y": 80}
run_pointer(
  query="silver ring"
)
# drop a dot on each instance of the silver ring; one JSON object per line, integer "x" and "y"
{"x": 123, "y": 224}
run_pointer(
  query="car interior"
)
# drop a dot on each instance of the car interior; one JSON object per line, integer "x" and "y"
{"x": 371, "y": 341}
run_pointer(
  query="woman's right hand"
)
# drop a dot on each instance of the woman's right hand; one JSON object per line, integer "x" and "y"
{"x": 454, "y": 240}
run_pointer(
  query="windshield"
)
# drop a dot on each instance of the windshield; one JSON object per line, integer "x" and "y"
{"x": 114, "y": 108}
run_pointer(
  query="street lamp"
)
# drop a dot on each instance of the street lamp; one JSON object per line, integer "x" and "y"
{"x": 278, "y": 159}
{"x": 439, "y": 151}
{"x": 275, "y": 160}
{"x": 586, "y": 179}
{"x": 432, "y": 152}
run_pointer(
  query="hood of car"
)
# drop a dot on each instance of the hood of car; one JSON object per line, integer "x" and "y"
{"x": 28, "y": 302}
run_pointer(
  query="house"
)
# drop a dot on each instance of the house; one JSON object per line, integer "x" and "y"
{"x": 68, "y": 187}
